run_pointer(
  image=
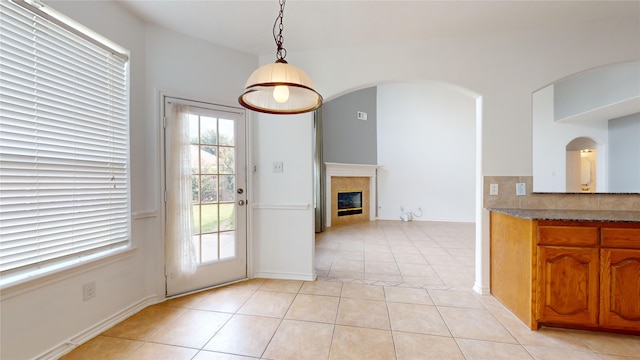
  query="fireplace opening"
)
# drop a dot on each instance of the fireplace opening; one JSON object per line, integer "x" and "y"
{"x": 349, "y": 203}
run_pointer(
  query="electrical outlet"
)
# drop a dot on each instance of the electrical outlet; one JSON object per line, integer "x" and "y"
{"x": 278, "y": 167}
{"x": 89, "y": 291}
{"x": 493, "y": 189}
{"x": 521, "y": 189}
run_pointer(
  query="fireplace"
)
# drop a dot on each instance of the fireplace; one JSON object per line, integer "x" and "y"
{"x": 350, "y": 178}
{"x": 349, "y": 203}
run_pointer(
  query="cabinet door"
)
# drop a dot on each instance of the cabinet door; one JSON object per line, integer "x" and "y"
{"x": 568, "y": 284}
{"x": 620, "y": 287}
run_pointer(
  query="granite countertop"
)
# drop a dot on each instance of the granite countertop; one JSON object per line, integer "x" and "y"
{"x": 572, "y": 215}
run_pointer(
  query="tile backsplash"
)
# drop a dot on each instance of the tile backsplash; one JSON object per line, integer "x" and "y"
{"x": 507, "y": 197}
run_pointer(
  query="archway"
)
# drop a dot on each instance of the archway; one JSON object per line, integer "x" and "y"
{"x": 482, "y": 248}
{"x": 581, "y": 165}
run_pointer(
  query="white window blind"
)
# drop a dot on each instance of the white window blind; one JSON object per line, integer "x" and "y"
{"x": 64, "y": 145}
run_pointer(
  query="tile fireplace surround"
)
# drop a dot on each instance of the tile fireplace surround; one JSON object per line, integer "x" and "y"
{"x": 350, "y": 177}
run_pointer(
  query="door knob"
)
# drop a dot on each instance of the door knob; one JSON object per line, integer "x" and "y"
{"x": 241, "y": 202}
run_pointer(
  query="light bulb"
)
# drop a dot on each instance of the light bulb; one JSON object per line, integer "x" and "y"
{"x": 281, "y": 93}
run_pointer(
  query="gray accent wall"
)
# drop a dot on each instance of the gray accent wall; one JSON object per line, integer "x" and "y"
{"x": 596, "y": 88}
{"x": 346, "y": 139}
{"x": 624, "y": 154}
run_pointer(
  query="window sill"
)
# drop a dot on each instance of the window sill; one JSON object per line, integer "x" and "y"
{"x": 38, "y": 281}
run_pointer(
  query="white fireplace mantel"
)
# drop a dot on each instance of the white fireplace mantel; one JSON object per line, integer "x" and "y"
{"x": 355, "y": 170}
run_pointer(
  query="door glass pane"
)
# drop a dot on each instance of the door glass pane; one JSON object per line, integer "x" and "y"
{"x": 227, "y": 216}
{"x": 196, "y": 219}
{"x": 227, "y": 244}
{"x": 196, "y": 245}
{"x": 195, "y": 159}
{"x": 209, "y": 189}
{"x": 195, "y": 189}
{"x": 227, "y": 160}
{"x": 227, "y": 188}
{"x": 208, "y": 130}
{"x": 208, "y": 159}
{"x": 194, "y": 128}
{"x": 227, "y": 132}
{"x": 209, "y": 218}
{"x": 209, "y": 250}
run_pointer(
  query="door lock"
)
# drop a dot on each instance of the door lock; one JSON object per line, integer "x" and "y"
{"x": 240, "y": 191}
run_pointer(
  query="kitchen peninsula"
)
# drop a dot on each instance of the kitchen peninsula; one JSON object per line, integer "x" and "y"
{"x": 568, "y": 268}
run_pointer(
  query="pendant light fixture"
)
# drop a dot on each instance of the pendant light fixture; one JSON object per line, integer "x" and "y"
{"x": 280, "y": 88}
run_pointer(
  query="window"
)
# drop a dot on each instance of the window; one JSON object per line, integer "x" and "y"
{"x": 64, "y": 143}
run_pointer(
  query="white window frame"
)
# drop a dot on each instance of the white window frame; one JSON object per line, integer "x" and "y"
{"x": 64, "y": 145}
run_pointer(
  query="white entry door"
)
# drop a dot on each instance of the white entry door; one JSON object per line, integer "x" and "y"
{"x": 218, "y": 187}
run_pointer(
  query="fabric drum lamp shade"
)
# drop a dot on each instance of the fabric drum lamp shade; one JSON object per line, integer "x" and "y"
{"x": 280, "y": 88}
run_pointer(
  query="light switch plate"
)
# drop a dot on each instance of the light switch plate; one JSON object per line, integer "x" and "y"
{"x": 521, "y": 189}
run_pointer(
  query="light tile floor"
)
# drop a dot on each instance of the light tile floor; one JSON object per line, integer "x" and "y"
{"x": 385, "y": 290}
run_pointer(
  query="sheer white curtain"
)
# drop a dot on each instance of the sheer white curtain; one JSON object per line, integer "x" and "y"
{"x": 180, "y": 250}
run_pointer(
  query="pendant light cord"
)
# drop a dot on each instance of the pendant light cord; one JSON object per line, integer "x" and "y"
{"x": 281, "y": 53}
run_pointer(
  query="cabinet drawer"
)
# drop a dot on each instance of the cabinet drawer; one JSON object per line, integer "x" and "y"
{"x": 568, "y": 235}
{"x": 621, "y": 238}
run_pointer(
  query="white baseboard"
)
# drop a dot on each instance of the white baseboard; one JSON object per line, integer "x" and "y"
{"x": 95, "y": 330}
{"x": 285, "y": 276}
{"x": 482, "y": 290}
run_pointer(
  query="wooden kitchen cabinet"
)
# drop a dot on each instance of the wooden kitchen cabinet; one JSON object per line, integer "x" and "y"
{"x": 568, "y": 271}
{"x": 620, "y": 279}
{"x": 576, "y": 274}
{"x": 620, "y": 287}
{"x": 568, "y": 285}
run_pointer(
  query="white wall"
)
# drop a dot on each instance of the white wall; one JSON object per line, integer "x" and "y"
{"x": 426, "y": 145}
{"x": 549, "y": 150}
{"x": 283, "y": 210}
{"x": 41, "y": 319}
